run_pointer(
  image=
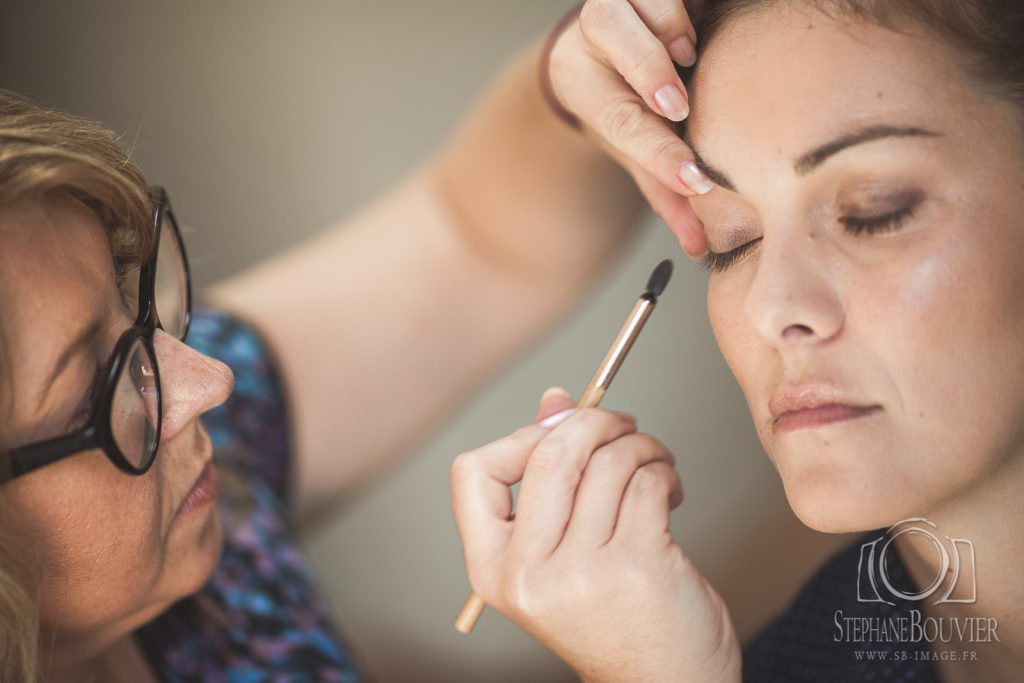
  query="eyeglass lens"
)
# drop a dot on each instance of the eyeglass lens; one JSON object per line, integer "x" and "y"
{"x": 171, "y": 286}
{"x": 135, "y": 408}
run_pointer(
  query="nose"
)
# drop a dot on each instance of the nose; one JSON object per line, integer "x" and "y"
{"x": 191, "y": 383}
{"x": 794, "y": 299}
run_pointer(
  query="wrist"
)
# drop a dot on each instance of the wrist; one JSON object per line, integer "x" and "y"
{"x": 546, "y": 87}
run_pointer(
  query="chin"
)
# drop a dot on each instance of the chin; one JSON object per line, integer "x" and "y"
{"x": 211, "y": 543}
{"x": 197, "y": 563}
{"x": 845, "y": 498}
{"x": 830, "y": 514}
{"x": 847, "y": 477}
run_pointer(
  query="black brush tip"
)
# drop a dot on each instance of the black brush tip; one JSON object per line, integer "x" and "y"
{"x": 659, "y": 279}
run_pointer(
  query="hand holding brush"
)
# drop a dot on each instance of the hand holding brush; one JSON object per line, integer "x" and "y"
{"x": 587, "y": 565}
{"x": 592, "y": 395}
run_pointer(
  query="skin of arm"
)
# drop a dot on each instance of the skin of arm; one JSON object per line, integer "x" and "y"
{"x": 387, "y": 322}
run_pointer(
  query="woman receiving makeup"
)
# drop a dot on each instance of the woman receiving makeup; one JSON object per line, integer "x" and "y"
{"x": 863, "y": 240}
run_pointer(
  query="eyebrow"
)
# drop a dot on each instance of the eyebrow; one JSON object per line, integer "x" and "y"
{"x": 816, "y": 157}
{"x": 716, "y": 176}
{"x": 81, "y": 340}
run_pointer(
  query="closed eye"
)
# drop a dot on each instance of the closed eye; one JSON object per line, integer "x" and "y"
{"x": 854, "y": 225}
{"x": 715, "y": 261}
{"x": 857, "y": 225}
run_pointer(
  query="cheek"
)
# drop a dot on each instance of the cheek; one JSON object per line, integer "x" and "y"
{"x": 725, "y": 306}
{"x": 749, "y": 358}
{"x": 946, "y": 321}
{"x": 97, "y": 535}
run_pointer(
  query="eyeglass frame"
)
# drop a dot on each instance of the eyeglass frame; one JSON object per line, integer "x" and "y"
{"x": 97, "y": 432}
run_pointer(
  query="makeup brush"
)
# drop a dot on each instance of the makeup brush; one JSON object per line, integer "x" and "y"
{"x": 595, "y": 391}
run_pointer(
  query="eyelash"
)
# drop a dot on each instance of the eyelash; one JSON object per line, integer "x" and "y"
{"x": 719, "y": 261}
{"x": 876, "y": 224}
{"x": 716, "y": 261}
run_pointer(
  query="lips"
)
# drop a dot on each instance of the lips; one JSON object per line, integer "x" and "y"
{"x": 811, "y": 405}
{"x": 203, "y": 491}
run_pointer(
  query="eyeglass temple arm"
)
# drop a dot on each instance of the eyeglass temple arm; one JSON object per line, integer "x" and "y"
{"x": 24, "y": 460}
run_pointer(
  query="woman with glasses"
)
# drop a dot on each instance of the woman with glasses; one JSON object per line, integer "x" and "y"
{"x": 123, "y": 411}
{"x": 157, "y": 456}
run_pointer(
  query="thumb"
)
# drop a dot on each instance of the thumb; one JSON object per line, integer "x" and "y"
{"x": 554, "y": 400}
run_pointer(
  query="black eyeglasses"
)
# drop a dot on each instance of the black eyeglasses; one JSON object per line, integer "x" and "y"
{"x": 128, "y": 408}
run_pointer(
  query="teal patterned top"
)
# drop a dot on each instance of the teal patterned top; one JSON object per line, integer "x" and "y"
{"x": 258, "y": 619}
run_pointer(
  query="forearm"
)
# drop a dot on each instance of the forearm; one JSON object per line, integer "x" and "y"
{"x": 386, "y": 323}
{"x": 530, "y": 193}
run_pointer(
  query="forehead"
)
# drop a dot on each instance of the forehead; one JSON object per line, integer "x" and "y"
{"x": 777, "y": 80}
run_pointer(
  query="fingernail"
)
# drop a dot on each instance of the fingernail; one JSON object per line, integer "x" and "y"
{"x": 699, "y": 254}
{"x": 683, "y": 51}
{"x": 694, "y": 178}
{"x": 672, "y": 103}
{"x": 556, "y": 419}
{"x": 554, "y": 391}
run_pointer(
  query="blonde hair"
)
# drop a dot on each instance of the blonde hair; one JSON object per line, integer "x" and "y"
{"x": 43, "y": 150}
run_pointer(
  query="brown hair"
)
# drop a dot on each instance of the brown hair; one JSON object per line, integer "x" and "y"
{"x": 43, "y": 150}
{"x": 989, "y": 33}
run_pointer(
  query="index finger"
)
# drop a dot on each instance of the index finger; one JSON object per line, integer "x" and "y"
{"x": 615, "y": 32}
{"x": 647, "y": 140}
{"x": 671, "y": 24}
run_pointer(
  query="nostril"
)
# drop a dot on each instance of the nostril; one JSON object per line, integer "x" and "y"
{"x": 796, "y": 332}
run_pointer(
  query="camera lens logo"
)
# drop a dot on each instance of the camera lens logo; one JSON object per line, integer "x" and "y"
{"x": 955, "y": 566}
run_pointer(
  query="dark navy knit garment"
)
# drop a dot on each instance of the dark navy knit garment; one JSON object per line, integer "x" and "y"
{"x": 805, "y": 644}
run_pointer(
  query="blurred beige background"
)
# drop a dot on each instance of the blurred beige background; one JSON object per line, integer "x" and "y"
{"x": 267, "y": 122}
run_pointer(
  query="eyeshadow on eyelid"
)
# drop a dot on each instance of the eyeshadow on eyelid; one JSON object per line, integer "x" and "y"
{"x": 880, "y": 196}
{"x": 727, "y": 239}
